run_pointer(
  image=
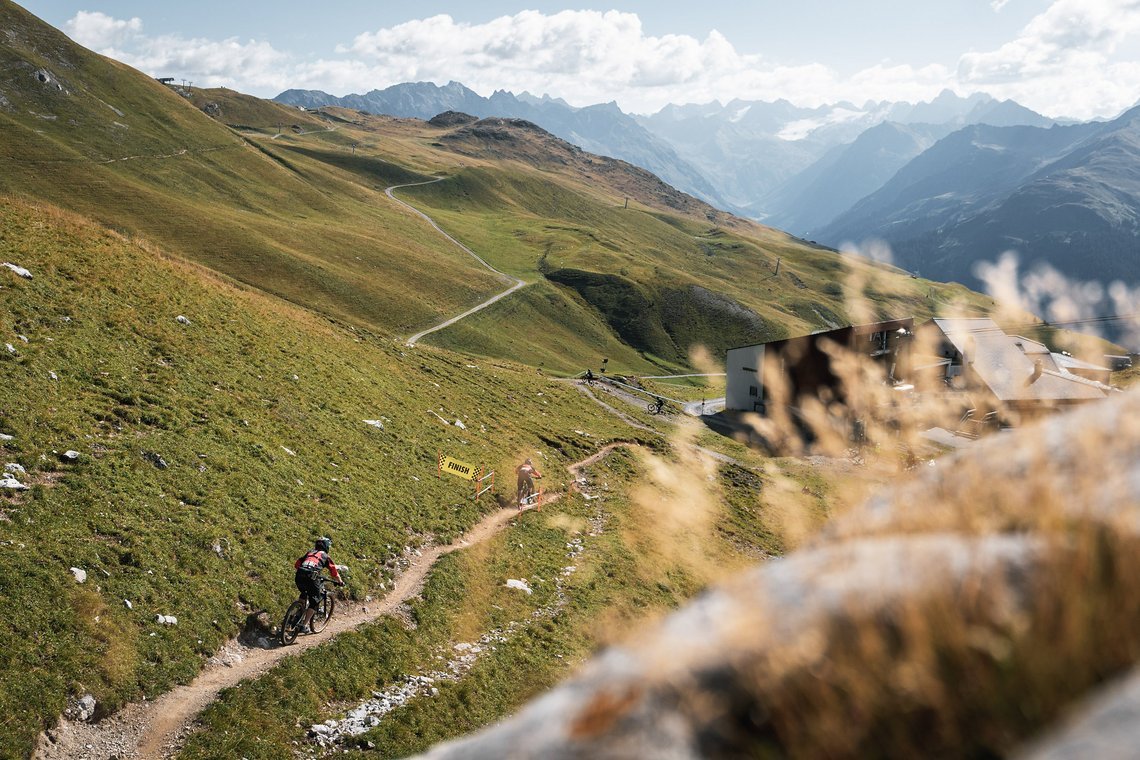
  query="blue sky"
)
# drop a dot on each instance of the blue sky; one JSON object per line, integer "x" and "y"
{"x": 1074, "y": 58}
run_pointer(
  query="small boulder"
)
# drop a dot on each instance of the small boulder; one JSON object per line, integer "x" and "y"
{"x": 155, "y": 459}
{"x": 71, "y": 455}
{"x": 375, "y": 423}
{"x": 182, "y": 320}
{"x": 258, "y": 631}
{"x": 127, "y": 604}
{"x": 520, "y": 585}
{"x": 86, "y": 708}
{"x": 459, "y": 424}
{"x": 166, "y": 620}
{"x": 82, "y": 709}
{"x": 18, "y": 270}
{"x": 80, "y": 574}
{"x": 9, "y": 482}
{"x": 15, "y": 468}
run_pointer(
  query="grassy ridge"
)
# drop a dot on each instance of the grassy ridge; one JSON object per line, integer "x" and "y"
{"x": 257, "y": 409}
{"x": 106, "y": 141}
{"x": 662, "y": 283}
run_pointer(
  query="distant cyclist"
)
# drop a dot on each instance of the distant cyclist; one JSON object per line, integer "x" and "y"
{"x": 527, "y": 473}
{"x": 309, "y": 569}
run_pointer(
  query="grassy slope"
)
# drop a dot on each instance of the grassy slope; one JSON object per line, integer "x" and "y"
{"x": 621, "y": 578}
{"x": 554, "y": 227}
{"x": 302, "y": 230}
{"x": 531, "y": 211}
{"x": 220, "y": 400}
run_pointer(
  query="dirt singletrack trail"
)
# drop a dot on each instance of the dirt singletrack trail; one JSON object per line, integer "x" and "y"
{"x": 157, "y": 729}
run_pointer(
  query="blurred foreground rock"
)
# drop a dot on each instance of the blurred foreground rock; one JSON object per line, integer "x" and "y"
{"x": 1024, "y": 541}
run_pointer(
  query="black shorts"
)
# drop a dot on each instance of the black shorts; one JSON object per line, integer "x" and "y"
{"x": 309, "y": 586}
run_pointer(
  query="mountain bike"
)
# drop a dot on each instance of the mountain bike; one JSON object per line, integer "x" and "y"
{"x": 656, "y": 406}
{"x": 293, "y": 622}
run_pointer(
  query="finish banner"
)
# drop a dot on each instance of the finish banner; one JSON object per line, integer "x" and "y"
{"x": 458, "y": 469}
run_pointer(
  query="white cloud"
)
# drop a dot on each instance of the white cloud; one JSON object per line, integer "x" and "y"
{"x": 1067, "y": 61}
{"x": 997, "y": 5}
{"x": 208, "y": 63}
{"x": 98, "y": 30}
{"x": 1064, "y": 60}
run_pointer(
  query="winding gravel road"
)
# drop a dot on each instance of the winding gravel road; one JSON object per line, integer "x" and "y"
{"x": 517, "y": 282}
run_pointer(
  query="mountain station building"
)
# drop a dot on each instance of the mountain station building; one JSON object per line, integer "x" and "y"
{"x": 804, "y": 366}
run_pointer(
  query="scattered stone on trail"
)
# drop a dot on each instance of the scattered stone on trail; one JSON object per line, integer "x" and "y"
{"x": 155, "y": 459}
{"x": 82, "y": 709}
{"x": 375, "y": 423}
{"x": 459, "y": 424}
{"x": 80, "y": 574}
{"x": 18, "y": 270}
{"x": 227, "y": 658}
{"x": 8, "y": 481}
{"x": 520, "y": 585}
{"x": 71, "y": 455}
{"x": 181, "y": 319}
{"x": 166, "y": 620}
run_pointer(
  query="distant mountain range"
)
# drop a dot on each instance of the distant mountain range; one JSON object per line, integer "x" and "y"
{"x": 947, "y": 182}
{"x": 753, "y": 150}
{"x": 759, "y": 159}
{"x": 1068, "y": 196}
{"x": 603, "y": 129}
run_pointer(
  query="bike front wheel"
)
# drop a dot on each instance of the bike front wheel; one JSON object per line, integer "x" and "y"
{"x": 291, "y": 624}
{"x": 323, "y": 613}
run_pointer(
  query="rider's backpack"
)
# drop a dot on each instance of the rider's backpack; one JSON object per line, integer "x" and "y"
{"x": 313, "y": 561}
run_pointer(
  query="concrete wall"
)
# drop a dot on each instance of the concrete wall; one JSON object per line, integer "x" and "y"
{"x": 742, "y": 378}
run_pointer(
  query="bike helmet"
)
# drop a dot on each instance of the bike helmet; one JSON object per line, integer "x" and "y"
{"x": 324, "y": 543}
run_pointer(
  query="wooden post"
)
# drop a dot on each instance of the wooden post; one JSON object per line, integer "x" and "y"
{"x": 777, "y": 274}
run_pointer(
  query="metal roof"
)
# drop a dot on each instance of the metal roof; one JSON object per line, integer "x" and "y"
{"x": 1009, "y": 373}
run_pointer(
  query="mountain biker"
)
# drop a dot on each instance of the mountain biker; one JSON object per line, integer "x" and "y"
{"x": 309, "y": 569}
{"x": 527, "y": 473}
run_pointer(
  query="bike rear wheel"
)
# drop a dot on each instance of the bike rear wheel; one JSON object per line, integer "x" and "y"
{"x": 291, "y": 624}
{"x": 323, "y": 613}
